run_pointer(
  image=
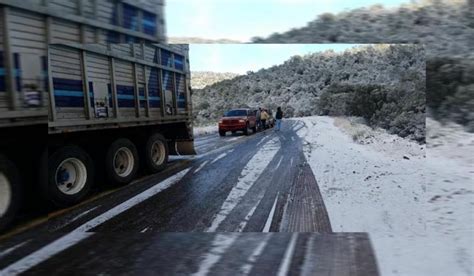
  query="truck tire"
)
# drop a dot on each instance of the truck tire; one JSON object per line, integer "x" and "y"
{"x": 221, "y": 133}
{"x": 254, "y": 129}
{"x": 10, "y": 192}
{"x": 70, "y": 176}
{"x": 156, "y": 153}
{"x": 121, "y": 162}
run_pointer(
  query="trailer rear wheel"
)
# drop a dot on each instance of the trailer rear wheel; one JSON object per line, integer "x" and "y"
{"x": 10, "y": 192}
{"x": 156, "y": 153}
{"x": 121, "y": 161}
{"x": 70, "y": 176}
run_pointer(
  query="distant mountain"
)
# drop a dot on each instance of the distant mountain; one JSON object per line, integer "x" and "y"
{"x": 198, "y": 40}
{"x": 383, "y": 83}
{"x": 201, "y": 79}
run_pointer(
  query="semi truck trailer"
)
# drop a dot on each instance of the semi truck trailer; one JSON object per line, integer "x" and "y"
{"x": 114, "y": 108}
{"x": 81, "y": 101}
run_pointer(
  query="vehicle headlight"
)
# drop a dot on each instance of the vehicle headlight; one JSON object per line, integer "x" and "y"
{"x": 220, "y": 121}
{"x": 241, "y": 121}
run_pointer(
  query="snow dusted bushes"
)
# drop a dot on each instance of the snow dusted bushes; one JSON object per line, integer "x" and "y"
{"x": 398, "y": 110}
{"x": 450, "y": 84}
{"x": 201, "y": 79}
{"x": 445, "y": 27}
{"x": 382, "y": 83}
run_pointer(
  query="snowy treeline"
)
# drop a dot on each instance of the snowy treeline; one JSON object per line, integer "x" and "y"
{"x": 202, "y": 79}
{"x": 391, "y": 77}
{"x": 445, "y": 27}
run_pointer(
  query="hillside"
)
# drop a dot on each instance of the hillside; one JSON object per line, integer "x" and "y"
{"x": 382, "y": 83}
{"x": 200, "y": 79}
{"x": 445, "y": 27}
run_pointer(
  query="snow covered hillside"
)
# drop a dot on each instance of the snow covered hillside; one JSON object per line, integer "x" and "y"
{"x": 445, "y": 27}
{"x": 201, "y": 79}
{"x": 416, "y": 204}
{"x": 384, "y": 83}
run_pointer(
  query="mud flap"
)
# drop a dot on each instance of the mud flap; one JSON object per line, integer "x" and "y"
{"x": 181, "y": 147}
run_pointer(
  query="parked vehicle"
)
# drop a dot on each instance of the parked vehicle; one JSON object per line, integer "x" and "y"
{"x": 243, "y": 119}
{"x": 131, "y": 101}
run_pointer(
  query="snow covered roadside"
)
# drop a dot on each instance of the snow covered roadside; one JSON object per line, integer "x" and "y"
{"x": 200, "y": 131}
{"x": 417, "y": 208}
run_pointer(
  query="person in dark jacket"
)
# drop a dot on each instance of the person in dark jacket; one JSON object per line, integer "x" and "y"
{"x": 278, "y": 117}
{"x": 259, "y": 111}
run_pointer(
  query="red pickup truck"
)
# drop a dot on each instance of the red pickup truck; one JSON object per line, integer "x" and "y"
{"x": 243, "y": 119}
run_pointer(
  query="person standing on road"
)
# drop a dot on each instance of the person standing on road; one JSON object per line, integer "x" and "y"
{"x": 259, "y": 112}
{"x": 263, "y": 118}
{"x": 279, "y": 117}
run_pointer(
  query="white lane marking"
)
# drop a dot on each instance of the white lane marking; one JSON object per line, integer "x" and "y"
{"x": 82, "y": 214}
{"x": 45, "y": 253}
{"x": 249, "y": 215}
{"x": 165, "y": 184}
{"x": 218, "y": 247}
{"x": 292, "y": 138}
{"x": 245, "y": 269}
{"x": 215, "y": 150}
{"x": 144, "y": 230}
{"x": 279, "y": 162}
{"x": 248, "y": 177}
{"x": 201, "y": 166}
{"x": 13, "y": 248}
{"x": 268, "y": 224}
{"x": 291, "y": 162}
{"x": 81, "y": 233}
{"x": 285, "y": 264}
{"x": 222, "y": 155}
{"x": 261, "y": 141}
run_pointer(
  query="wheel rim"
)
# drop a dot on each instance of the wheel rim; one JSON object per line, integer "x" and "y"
{"x": 123, "y": 162}
{"x": 158, "y": 153}
{"x": 71, "y": 176}
{"x": 5, "y": 194}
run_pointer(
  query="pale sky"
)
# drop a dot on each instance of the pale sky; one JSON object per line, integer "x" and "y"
{"x": 240, "y": 58}
{"x": 243, "y": 19}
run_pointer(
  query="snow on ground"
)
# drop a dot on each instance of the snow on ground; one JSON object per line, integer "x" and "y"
{"x": 199, "y": 131}
{"x": 416, "y": 204}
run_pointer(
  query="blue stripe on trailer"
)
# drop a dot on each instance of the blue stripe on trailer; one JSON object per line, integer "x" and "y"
{"x": 17, "y": 67}
{"x": 149, "y": 23}
{"x": 179, "y": 62}
{"x": 130, "y": 17}
{"x": 70, "y": 93}
{"x": 2, "y": 73}
{"x": 166, "y": 58}
{"x": 44, "y": 67}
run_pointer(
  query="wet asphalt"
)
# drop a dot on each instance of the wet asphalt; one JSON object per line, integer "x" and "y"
{"x": 237, "y": 183}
